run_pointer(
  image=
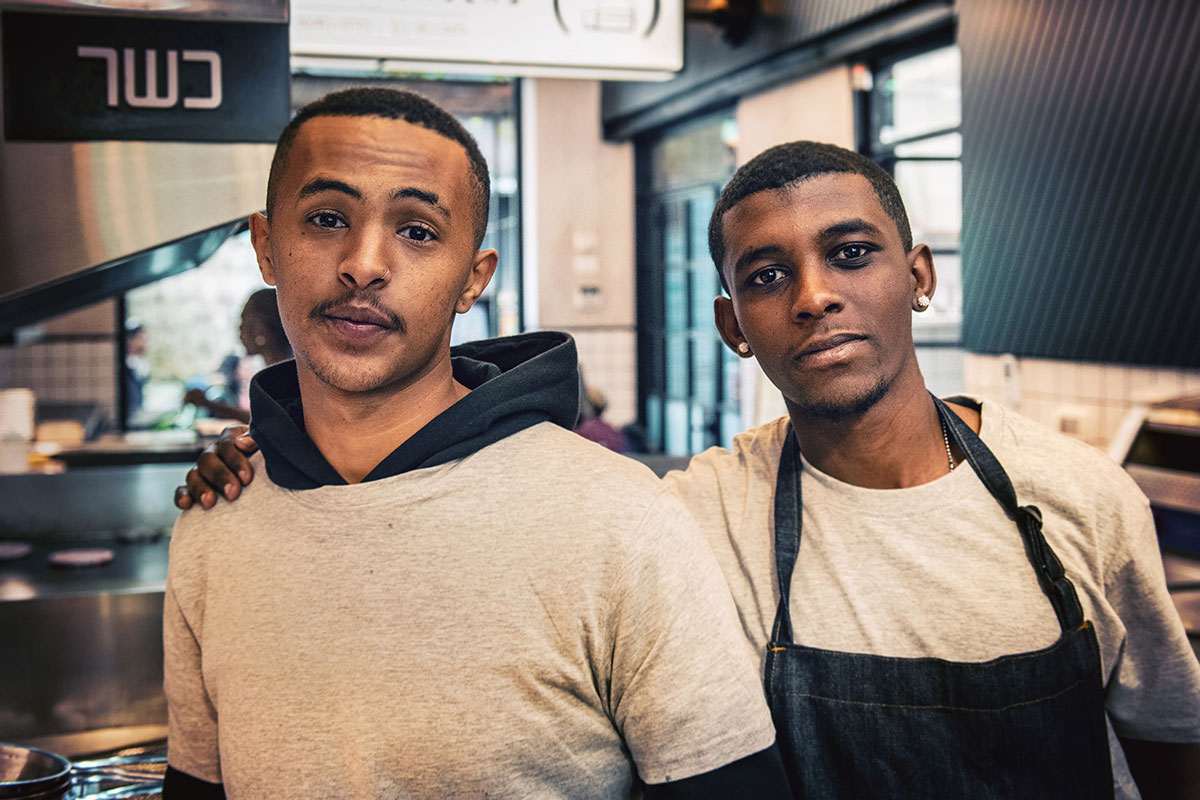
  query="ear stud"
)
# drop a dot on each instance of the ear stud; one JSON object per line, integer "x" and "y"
{"x": 922, "y": 303}
{"x": 743, "y": 348}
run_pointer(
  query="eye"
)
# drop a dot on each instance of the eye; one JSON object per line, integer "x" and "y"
{"x": 852, "y": 255}
{"x": 328, "y": 219}
{"x": 767, "y": 276}
{"x": 418, "y": 233}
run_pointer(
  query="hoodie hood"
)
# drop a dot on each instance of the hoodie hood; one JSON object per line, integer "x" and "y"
{"x": 515, "y": 382}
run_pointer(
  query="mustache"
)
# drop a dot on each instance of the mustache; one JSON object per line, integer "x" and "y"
{"x": 358, "y": 297}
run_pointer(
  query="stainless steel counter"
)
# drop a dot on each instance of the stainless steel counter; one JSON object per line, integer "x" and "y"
{"x": 136, "y": 567}
{"x": 81, "y": 648}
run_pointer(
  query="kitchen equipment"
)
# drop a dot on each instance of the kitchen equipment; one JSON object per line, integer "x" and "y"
{"x": 1159, "y": 446}
{"x": 87, "y": 651}
{"x": 16, "y": 429}
{"x": 32, "y": 774}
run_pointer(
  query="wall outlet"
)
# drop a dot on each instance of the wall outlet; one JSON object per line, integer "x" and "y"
{"x": 1078, "y": 422}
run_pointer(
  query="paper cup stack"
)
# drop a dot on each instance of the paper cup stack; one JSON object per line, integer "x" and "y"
{"x": 16, "y": 428}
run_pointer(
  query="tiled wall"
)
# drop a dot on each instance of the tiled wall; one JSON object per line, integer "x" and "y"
{"x": 75, "y": 370}
{"x": 1083, "y": 399}
{"x": 609, "y": 360}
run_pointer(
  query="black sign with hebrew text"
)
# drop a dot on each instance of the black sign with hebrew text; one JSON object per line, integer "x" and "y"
{"x": 79, "y": 78}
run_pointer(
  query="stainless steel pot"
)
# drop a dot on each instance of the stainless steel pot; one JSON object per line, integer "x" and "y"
{"x": 32, "y": 774}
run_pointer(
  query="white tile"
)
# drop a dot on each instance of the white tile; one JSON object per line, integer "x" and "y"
{"x": 969, "y": 371}
{"x": 1037, "y": 409}
{"x": 1089, "y": 381}
{"x": 1056, "y": 372}
{"x": 1151, "y": 384}
{"x": 1189, "y": 381}
{"x": 981, "y": 369}
{"x": 1066, "y": 380}
{"x": 1111, "y": 415}
{"x": 1116, "y": 382}
{"x": 1035, "y": 377}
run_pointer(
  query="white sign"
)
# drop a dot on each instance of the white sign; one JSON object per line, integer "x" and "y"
{"x": 637, "y": 39}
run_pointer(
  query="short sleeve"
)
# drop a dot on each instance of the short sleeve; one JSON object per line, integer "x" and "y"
{"x": 192, "y": 743}
{"x": 686, "y": 694}
{"x": 1153, "y": 693}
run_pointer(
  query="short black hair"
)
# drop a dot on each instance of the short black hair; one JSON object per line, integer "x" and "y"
{"x": 786, "y": 164}
{"x": 400, "y": 104}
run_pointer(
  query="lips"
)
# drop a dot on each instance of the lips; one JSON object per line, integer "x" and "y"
{"x": 358, "y": 324}
{"x": 830, "y": 342}
{"x": 831, "y": 350}
{"x": 359, "y": 315}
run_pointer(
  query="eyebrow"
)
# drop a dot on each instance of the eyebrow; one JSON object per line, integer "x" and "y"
{"x": 848, "y": 227}
{"x": 318, "y": 185}
{"x": 750, "y": 256}
{"x": 430, "y": 198}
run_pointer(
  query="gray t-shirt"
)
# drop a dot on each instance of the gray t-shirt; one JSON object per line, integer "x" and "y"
{"x": 539, "y": 619}
{"x": 939, "y": 570}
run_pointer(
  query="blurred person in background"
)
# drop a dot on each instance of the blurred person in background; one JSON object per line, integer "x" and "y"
{"x": 261, "y": 333}
{"x": 136, "y": 371}
{"x": 592, "y": 424}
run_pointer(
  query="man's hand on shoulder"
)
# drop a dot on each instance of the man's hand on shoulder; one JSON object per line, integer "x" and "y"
{"x": 223, "y": 468}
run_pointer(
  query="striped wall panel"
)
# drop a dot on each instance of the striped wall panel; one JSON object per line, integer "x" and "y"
{"x": 1081, "y": 179}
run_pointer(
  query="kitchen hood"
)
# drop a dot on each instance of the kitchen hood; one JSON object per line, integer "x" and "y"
{"x": 139, "y": 190}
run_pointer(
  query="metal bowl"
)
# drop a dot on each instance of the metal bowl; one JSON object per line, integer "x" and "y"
{"x": 32, "y": 774}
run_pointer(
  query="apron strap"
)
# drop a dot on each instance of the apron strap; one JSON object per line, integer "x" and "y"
{"x": 787, "y": 531}
{"x": 1051, "y": 576}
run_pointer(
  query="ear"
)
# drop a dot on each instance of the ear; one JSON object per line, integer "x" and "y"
{"x": 478, "y": 279}
{"x": 920, "y": 265}
{"x": 727, "y": 325}
{"x": 260, "y": 237}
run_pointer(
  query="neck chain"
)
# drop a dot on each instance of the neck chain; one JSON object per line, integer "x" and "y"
{"x": 946, "y": 441}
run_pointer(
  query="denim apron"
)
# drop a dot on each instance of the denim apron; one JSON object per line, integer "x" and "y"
{"x": 1030, "y": 725}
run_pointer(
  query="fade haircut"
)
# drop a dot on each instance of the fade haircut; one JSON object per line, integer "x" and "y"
{"x": 791, "y": 163}
{"x": 376, "y": 101}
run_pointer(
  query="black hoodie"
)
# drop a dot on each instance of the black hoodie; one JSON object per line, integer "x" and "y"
{"x": 515, "y": 382}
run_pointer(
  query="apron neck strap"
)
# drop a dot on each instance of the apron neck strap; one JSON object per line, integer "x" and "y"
{"x": 1051, "y": 576}
{"x": 788, "y": 510}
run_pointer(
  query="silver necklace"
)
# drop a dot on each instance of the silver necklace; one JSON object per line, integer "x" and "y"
{"x": 946, "y": 441}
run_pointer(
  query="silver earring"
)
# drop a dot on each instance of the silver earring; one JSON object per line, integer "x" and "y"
{"x": 922, "y": 303}
{"x": 744, "y": 348}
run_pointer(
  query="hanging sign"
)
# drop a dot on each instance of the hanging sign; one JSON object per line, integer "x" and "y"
{"x": 78, "y": 78}
{"x": 639, "y": 39}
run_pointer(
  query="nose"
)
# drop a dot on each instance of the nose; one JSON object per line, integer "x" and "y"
{"x": 815, "y": 292}
{"x": 364, "y": 261}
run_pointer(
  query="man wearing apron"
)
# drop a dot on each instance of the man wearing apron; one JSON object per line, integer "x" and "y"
{"x": 947, "y": 600}
{"x": 936, "y": 616}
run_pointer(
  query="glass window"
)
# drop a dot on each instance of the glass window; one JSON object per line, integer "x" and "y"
{"x": 684, "y": 368}
{"x": 932, "y": 192}
{"x": 918, "y": 95}
{"x": 183, "y": 333}
{"x": 915, "y": 117}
